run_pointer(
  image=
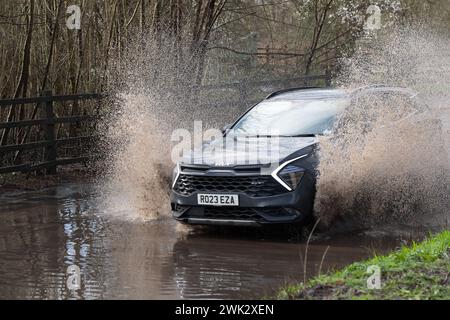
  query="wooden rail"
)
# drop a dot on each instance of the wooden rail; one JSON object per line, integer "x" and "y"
{"x": 50, "y": 143}
{"x": 46, "y": 121}
{"x": 46, "y": 97}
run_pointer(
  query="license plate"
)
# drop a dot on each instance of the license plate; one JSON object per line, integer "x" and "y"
{"x": 218, "y": 199}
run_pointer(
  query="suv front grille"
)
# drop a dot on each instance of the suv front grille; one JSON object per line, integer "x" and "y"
{"x": 253, "y": 186}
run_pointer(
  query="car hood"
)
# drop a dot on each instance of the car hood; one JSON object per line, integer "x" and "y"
{"x": 248, "y": 151}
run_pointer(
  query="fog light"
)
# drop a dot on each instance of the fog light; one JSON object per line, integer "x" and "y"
{"x": 293, "y": 212}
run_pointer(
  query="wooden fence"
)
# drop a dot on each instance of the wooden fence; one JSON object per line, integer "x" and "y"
{"x": 45, "y": 102}
{"x": 51, "y": 143}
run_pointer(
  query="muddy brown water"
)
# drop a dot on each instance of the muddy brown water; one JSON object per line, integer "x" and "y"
{"x": 44, "y": 232}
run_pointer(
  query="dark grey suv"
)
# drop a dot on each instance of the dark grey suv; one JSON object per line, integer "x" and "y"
{"x": 270, "y": 176}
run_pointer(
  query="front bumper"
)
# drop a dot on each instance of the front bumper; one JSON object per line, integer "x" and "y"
{"x": 285, "y": 208}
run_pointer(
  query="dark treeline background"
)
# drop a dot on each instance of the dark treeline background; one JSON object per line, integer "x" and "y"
{"x": 252, "y": 38}
{"x": 213, "y": 41}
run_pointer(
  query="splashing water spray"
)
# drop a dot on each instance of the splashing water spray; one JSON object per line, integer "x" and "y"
{"x": 397, "y": 171}
{"x": 152, "y": 96}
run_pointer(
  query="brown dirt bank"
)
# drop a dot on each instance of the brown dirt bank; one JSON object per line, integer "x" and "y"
{"x": 35, "y": 181}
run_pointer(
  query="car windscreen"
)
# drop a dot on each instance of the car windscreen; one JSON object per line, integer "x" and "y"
{"x": 291, "y": 117}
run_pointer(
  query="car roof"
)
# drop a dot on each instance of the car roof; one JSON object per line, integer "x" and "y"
{"x": 335, "y": 93}
{"x": 306, "y": 93}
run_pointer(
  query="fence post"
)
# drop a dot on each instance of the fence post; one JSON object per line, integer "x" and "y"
{"x": 50, "y": 149}
{"x": 328, "y": 78}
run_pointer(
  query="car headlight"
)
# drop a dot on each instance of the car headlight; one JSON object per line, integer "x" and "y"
{"x": 289, "y": 174}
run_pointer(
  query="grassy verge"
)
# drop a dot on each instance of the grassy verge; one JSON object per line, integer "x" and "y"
{"x": 420, "y": 271}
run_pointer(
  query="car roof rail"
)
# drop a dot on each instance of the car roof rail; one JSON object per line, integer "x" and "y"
{"x": 276, "y": 93}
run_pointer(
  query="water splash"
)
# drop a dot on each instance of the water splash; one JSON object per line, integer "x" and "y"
{"x": 136, "y": 140}
{"x": 153, "y": 94}
{"x": 398, "y": 170}
{"x": 136, "y": 182}
{"x": 390, "y": 164}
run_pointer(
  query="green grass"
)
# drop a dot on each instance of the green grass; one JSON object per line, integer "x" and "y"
{"x": 420, "y": 271}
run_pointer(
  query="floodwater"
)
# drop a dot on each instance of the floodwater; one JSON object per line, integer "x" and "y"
{"x": 44, "y": 232}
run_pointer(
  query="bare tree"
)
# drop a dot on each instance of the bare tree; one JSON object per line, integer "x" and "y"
{"x": 22, "y": 86}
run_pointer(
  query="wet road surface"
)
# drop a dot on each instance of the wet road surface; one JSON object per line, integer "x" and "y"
{"x": 44, "y": 232}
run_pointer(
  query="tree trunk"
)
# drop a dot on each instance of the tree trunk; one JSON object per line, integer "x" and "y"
{"x": 46, "y": 74}
{"x": 23, "y": 81}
